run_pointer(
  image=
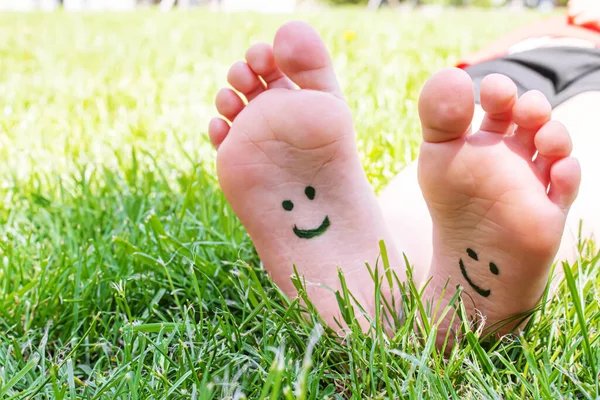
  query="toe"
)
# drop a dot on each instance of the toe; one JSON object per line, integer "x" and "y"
{"x": 552, "y": 142}
{"x": 261, "y": 60}
{"x": 498, "y": 97}
{"x": 565, "y": 177}
{"x": 446, "y": 106}
{"x": 530, "y": 113}
{"x": 244, "y": 80}
{"x": 217, "y": 131}
{"x": 303, "y": 57}
{"x": 228, "y": 103}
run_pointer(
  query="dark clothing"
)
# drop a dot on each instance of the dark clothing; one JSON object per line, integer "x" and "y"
{"x": 558, "y": 72}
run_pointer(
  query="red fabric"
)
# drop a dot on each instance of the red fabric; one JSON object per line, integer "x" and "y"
{"x": 592, "y": 26}
{"x": 558, "y": 27}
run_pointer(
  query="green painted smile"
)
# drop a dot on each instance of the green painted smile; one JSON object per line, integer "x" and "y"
{"x": 287, "y": 205}
{"x": 311, "y": 233}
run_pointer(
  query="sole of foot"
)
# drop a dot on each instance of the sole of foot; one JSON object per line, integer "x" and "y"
{"x": 288, "y": 165}
{"x": 498, "y": 198}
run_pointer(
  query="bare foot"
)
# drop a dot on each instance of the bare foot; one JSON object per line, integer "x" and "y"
{"x": 290, "y": 170}
{"x": 498, "y": 198}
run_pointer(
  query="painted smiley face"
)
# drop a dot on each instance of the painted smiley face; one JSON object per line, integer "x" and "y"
{"x": 477, "y": 288}
{"x": 287, "y": 205}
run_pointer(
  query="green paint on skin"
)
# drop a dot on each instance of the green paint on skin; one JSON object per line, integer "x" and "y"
{"x": 482, "y": 292}
{"x": 472, "y": 254}
{"x": 493, "y": 269}
{"x": 287, "y": 205}
{"x": 310, "y": 192}
{"x": 311, "y": 233}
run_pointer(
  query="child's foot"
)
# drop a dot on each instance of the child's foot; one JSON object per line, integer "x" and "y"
{"x": 498, "y": 212}
{"x": 290, "y": 170}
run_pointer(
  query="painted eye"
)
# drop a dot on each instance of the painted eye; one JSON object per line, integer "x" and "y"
{"x": 494, "y": 269}
{"x": 472, "y": 254}
{"x": 310, "y": 192}
{"x": 287, "y": 205}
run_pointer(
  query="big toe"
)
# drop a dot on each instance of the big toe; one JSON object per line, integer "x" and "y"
{"x": 446, "y": 105}
{"x": 301, "y": 54}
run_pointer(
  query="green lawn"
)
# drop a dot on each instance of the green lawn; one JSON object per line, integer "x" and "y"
{"x": 124, "y": 273}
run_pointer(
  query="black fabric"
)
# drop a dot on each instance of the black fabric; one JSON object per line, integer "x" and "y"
{"x": 558, "y": 72}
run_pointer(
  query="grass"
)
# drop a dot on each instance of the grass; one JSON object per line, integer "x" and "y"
{"x": 124, "y": 274}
